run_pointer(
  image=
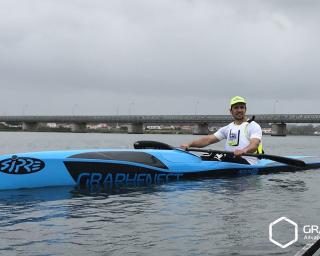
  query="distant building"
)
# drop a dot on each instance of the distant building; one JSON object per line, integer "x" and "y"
{"x": 63, "y": 125}
{"x": 52, "y": 125}
{"x": 153, "y": 127}
{"x": 168, "y": 127}
{"x": 98, "y": 126}
{"x": 266, "y": 131}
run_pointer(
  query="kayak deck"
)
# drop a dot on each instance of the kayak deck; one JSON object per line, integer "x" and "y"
{"x": 124, "y": 166}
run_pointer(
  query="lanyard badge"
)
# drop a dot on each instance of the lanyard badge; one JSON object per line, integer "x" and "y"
{"x": 234, "y": 138}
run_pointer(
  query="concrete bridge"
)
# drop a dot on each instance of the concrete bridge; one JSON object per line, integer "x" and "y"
{"x": 136, "y": 122}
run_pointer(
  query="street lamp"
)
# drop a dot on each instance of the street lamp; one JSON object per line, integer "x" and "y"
{"x": 274, "y": 106}
{"x": 117, "y": 114}
{"x": 131, "y": 105}
{"x": 24, "y": 109}
{"x": 74, "y": 108}
{"x": 196, "y": 107}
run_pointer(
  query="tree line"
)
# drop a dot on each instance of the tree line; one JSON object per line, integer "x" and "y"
{"x": 308, "y": 129}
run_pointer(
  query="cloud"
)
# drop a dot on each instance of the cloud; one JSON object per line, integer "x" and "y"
{"x": 167, "y": 51}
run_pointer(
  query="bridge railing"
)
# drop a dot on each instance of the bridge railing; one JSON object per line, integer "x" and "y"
{"x": 263, "y": 118}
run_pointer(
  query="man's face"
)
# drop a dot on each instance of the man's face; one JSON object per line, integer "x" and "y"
{"x": 238, "y": 111}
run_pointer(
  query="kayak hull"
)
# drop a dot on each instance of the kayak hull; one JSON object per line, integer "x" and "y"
{"x": 109, "y": 166}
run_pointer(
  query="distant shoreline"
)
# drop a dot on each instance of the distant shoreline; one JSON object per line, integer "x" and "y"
{"x": 122, "y": 131}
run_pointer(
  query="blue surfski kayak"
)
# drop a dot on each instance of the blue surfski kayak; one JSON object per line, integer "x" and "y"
{"x": 124, "y": 166}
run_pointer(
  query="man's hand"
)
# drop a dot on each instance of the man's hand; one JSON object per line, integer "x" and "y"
{"x": 239, "y": 152}
{"x": 184, "y": 146}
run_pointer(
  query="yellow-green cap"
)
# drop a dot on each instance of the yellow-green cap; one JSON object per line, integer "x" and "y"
{"x": 237, "y": 99}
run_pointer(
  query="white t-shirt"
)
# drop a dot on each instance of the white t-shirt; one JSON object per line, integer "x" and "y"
{"x": 239, "y": 136}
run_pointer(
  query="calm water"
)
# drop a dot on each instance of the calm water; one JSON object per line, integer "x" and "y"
{"x": 206, "y": 217}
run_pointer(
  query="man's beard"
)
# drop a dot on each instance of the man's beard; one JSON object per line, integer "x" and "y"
{"x": 239, "y": 118}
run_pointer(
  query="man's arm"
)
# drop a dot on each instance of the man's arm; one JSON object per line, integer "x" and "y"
{"x": 251, "y": 148}
{"x": 255, "y": 132}
{"x": 202, "y": 142}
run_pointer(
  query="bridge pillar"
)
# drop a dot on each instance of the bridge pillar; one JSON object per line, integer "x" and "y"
{"x": 279, "y": 129}
{"x": 30, "y": 126}
{"x": 79, "y": 127}
{"x": 135, "y": 128}
{"x": 201, "y": 129}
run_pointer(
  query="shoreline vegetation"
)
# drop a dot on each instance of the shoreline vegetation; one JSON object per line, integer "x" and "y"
{"x": 292, "y": 129}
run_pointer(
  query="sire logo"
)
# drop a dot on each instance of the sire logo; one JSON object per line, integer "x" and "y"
{"x": 21, "y": 165}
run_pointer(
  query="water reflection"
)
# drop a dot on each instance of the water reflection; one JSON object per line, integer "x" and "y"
{"x": 289, "y": 185}
{"x": 199, "y": 217}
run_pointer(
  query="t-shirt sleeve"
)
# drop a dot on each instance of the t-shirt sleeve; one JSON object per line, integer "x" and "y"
{"x": 255, "y": 131}
{"x": 221, "y": 133}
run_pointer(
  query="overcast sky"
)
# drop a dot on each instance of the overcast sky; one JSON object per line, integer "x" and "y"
{"x": 158, "y": 56}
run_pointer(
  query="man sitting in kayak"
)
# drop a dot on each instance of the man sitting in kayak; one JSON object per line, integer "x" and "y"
{"x": 242, "y": 135}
